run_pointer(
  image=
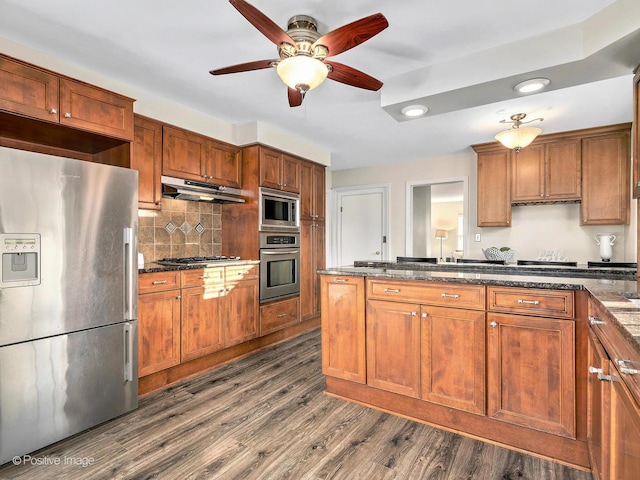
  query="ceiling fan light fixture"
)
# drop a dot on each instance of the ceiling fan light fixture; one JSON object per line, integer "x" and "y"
{"x": 532, "y": 85}
{"x": 414, "y": 110}
{"x": 302, "y": 72}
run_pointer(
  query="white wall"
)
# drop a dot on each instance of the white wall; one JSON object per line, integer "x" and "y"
{"x": 534, "y": 227}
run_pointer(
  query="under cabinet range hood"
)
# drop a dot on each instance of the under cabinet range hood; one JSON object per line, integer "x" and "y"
{"x": 193, "y": 191}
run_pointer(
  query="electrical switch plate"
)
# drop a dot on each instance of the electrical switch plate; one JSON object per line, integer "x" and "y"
{"x": 477, "y": 237}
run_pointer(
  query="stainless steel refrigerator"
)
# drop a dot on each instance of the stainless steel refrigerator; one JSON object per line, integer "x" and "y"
{"x": 68, "y": 297}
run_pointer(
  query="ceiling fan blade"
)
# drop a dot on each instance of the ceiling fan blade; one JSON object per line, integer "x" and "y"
{"x": 348, "y": 36}
{"x": 244, "y": 67}
{"x": 295, "y": 97}
{"x": 263, "y": 23}
{"x": 350, "y": 76}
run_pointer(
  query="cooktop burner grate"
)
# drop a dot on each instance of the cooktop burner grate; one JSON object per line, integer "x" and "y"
{"x": 196, "y": 260}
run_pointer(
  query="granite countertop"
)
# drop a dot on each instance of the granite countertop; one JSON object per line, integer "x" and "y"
{"x": 153, "y": 267}
{"x": 607, "y": 287}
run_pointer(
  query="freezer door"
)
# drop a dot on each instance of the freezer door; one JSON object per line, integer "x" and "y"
{"x": 55, "y": 387}
{"x": 85, "y": 215}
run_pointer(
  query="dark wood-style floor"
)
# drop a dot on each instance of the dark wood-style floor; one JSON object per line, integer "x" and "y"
{"x": 266, "y": 417}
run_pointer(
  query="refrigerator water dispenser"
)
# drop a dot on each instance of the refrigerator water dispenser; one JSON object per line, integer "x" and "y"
{"x": 20, "y": 260}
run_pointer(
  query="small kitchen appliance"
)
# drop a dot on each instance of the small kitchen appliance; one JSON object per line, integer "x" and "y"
{"x": 605, "y": 241}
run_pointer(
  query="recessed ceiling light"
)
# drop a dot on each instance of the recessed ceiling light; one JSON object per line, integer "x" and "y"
{"x": 533, "y": 85}
{"x": 414, "y": 110}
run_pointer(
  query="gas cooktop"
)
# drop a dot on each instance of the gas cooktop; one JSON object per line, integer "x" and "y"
{"x": 188, "y": 261}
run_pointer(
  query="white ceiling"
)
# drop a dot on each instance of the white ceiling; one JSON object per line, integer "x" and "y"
{"x": 459, "y": 58}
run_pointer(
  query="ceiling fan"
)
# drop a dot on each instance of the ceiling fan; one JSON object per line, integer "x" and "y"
{"x": 302, "y": 51}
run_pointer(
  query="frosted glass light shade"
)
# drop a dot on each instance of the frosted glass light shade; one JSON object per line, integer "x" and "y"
{"x": 518, "y": 137}
{"x": 441, "y": 234}
{"x": 302, "y": 71}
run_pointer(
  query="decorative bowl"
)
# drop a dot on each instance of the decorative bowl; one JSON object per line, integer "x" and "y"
{"x": 494, "y": 253}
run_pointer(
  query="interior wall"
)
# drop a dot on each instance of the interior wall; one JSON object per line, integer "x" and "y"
{"x": 421, "y": 221}
{"x": 445, "y": 216}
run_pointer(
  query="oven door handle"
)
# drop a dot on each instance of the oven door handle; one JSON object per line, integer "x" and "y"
{"x": 279, "y": 252}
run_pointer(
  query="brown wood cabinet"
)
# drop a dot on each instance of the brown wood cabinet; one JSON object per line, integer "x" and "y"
{"x": 605, "y": 177}
{"x": 279, "y": 314}
{"x": 158, "y": 322}
{"x": 635, "y": 133}
{"x": 343, "y": 327}
{"x": 146, "y": 157}
{"x": 242, "y": 311}
{"x": 192, "y": 156}
{"x": 547, "y": 172}
{"x": 312, "y": 259}
{"x": 598, "y": 401}
{"x": 279, "y": 170}
{"x": 494, "y": 188}
{"x": 312, "y": 191}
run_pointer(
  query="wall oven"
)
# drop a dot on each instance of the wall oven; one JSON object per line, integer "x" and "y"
{"x": 279, "y": 265}
{"x": 279, "y": 211}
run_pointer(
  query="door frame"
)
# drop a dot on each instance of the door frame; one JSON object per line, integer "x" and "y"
{"x": 409, "y": 210}
{"x": 336, "y": 229}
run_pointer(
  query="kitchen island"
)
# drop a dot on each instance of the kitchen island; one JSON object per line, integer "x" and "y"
{"x": 503, "y": 357}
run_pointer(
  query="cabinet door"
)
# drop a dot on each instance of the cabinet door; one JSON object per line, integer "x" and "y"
{"x": 278, "y": 315}
{"x": 312, "y": 248}
{"x": 223, "y": 165}
{"x": 531, "y": 372}
{"x": 182, "y": 154}
{"x": 605, "y": 180}
{"x": 146, "y": 157}
{"x": 89, "y": 108}
{"x": 393, "y": 347}
{"x": 598, "y": 402}
{"x": 241, "y": 312}
{"x": 306, "y": 191}
{"x": 453, "y": 352}
{"x": 158, "y": 331}
{"x": 343, "y": 339}
{"x": 270, "y": 164}
{"x": 290, "y": 174}
{"x": 528, "y": 175}
{"x": 28, "y": 91}
{"x": 625, "y": 432}
{"x": 494, "y": 188}
{"x": 563, "y": 168}
{"x": 635, "y": 135}
{"x": 318, "y": 210}
{"x": 201, "y": 321}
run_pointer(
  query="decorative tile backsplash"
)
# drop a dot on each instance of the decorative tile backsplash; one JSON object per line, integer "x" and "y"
{"x": 180, "y": 229}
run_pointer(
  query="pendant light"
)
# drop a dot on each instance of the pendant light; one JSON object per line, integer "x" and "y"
{"x": 516, "y": 137}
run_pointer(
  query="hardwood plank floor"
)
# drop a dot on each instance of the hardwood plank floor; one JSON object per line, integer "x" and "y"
{"x": 266, "y": 417}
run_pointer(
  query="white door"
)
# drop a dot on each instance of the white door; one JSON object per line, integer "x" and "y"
{"x": 361, "y": 225}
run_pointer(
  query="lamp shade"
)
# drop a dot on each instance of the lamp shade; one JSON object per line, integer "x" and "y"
{"x": 441, "y": 233}
{"x": 302, "y": 72}
{"x": 518, "y": 137}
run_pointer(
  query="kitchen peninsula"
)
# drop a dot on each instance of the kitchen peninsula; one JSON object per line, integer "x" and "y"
{"x": 538, "y": 361}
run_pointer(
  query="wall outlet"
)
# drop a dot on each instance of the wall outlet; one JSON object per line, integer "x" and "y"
{"x": 477, "y": 238}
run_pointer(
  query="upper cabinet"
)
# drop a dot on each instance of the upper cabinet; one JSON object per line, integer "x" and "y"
{"x": 146, "y": 157}
{"x": 37, "y": 93}
{"x": 192, "y": 156}
{"x": 494, "y": 188}
{"x": 279, "y": 170}
{"x": 547, "y": 172}
{"x": 312, "y": 191}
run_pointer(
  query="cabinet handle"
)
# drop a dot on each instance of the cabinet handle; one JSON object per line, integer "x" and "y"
{"x": 280, "y": 315}
{"x": 625, "y": 369}
{"x": 493, "y": 324}
{"x": 414, "y": 314}
{"x": 425, "y": 314}
{"x": 53, "y": 111}
{"x": 594, "y": 369}
{"x": 158, "y": 282}
{"x": 596, "y": 321}
{"x": 178, "y": 297}
{"x": 284, "y": 184}
{"x": 449, "y": 295}
{"x": 67, "y": 115}
{"x": 392, "y": 290}
{"x": 243, "y": 273}
{"x": 529, "y": 302}
{"x": 202, "y": 277}
{"x": 339, "y": 280}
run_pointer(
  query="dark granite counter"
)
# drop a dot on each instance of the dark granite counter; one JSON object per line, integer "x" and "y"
{"x": 612, "y": 289}
{"x": 153, "y": 267}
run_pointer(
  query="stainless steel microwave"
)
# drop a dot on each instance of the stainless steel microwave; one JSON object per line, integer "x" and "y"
{"x": 279, "y": 211}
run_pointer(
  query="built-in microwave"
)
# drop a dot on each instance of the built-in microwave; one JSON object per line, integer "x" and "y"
{"x": 279, "y": 211}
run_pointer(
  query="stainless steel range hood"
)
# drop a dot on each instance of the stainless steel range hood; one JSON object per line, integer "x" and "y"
{"x": 180, "y": 189}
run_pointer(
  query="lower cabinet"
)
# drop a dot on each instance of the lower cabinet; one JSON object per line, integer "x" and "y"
{"x": 279, "y": 314}
{"x": 241, "y": 311}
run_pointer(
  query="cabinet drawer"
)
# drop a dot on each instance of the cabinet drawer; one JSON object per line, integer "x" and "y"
{"x": 277, "y": 315}
{"x": 158, "y": 281}
{"x": 429, "y": 293}
{"x": 241, "y": 272}
{"x": 530, "y": 301}
{"x": 201, "y": 277}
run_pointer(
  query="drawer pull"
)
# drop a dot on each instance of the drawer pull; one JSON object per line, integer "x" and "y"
{"x": 625, "y": 369}
{"x": 280, "y": 315}
{"x": 178, "y": 297}
{"x": 595, "y": 321}
{"x": 392, "y": 290}
{"x": 339, "y": 280}
{"x": 449, "y": 295}
{"x": 593, "y": 369}
{"x": 493, "y": 324}
{"x": 414, "y": 314}
{"x": 601, "y": 376}
{"x": 158, "y": 282}
{"x": 202, "y": 277}
{"x": 529, "y": 302}
{"x": 425, "y": 314}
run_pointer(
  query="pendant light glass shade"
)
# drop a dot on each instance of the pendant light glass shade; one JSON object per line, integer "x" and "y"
{"x": 517, "y": 138}
{"x": 302, "y": 72}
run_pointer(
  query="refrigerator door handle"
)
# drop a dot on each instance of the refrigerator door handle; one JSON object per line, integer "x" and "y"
{"x": 128, "y": 353}
{"x": 129, "y": 275}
